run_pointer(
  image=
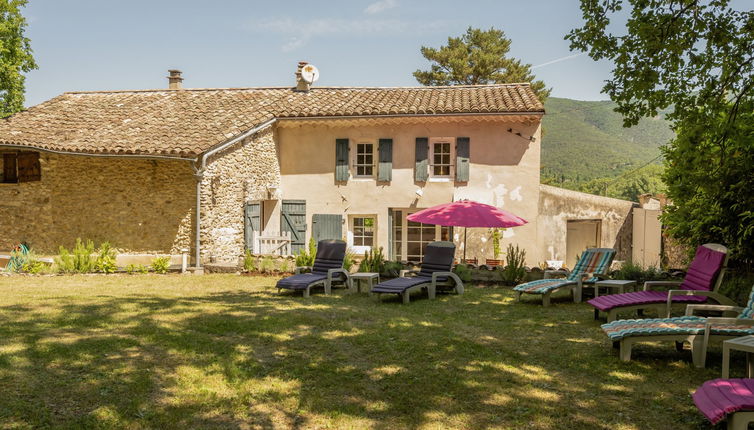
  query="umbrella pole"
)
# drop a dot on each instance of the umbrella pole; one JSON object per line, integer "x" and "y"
{"x": 464, "y": 246}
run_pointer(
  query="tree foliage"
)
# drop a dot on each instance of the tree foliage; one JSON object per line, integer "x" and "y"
{"x": 477, "y": 57}
{"x": 15, "y": 56}
{"x": 696, "y": 57}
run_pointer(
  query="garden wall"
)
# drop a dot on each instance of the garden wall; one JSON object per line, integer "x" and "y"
{"x": 557, "y": 206}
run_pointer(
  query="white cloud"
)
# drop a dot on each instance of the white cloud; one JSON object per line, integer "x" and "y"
{"x": 301, "y": 32}
{"x": 380, "y": 6}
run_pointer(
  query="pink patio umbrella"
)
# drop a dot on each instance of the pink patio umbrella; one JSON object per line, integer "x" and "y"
{"x": 466, "y": 213}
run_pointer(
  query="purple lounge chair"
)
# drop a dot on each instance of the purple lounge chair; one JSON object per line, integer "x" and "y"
{"x": 327, "y": 269}
{"x": 435, "y": 272}
{"x": 733, "y": 399}
{"x": 701, "y": 282}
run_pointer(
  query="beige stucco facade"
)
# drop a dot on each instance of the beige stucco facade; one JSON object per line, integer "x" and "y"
{"x": 504, "y": 171}
{"x": 138, "y": 205}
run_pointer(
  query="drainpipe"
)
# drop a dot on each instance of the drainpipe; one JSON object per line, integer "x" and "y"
{"x": 199, "y": 167}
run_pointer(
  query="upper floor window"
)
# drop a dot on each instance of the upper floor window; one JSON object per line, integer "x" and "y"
{"x": 441, "y": 157}
{"x": 364, "y": 165}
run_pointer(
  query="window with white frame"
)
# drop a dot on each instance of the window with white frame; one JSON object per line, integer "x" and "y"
{"x": 441, "y": 158}
{"x": 363, "y": 231}
{"x": 364, "y": 163}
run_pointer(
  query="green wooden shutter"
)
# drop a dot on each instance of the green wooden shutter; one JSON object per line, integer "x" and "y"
{"x": 385, "y": 172}
{"x": 422, "y": 165}
{"x": 462, "y": 159}
{"x": 252, "y": 223}
{"x": 390, "y": 236}
{"x": 341, "y": 160}
{"x": 293, "y": 220}
{"x": 327, "y": 226}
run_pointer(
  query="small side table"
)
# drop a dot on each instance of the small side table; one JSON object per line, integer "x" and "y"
{"x": 369, "y": 277}
{"x": 743, "y": 343}
{"x": 611, "y": 284}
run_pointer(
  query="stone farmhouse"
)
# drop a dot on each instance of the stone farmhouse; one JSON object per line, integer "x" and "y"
{"x": 268, "y": 168}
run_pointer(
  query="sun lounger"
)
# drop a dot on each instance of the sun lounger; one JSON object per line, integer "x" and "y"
{"x": 591, "y": 267}
{"x": 327, "y": 269}
{"x": 435, "y": 273}
{"x": 727, "y": 399}
{"x": 693, "y": 329}
{"x": 700, "y": 284}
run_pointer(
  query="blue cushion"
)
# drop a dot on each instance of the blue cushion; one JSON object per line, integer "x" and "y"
{"x": 399, "y": 285}
{"x": 300, "y": 281}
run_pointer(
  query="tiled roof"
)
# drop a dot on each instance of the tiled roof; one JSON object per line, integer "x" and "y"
{"x": 187, "y": 122}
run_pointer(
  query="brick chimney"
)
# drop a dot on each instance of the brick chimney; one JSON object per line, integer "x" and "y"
{"x": 301, "y": 84}
{"x": 175, "y": 79}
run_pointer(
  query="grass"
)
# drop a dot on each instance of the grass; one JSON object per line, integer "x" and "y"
{"x": 224, "y": 351}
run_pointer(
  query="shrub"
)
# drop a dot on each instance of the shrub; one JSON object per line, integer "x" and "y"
{"x": 633, "y": 272}
{"x": 349, "y": 260}
{"x": 105, "y": 260}
{"x": 24, "y": 260}
{"x": 373, "y": 261}
{"x": 305, "y": 257}
{"x": 392, "y": 268}
{"x": 285, "y": 266}
{"x": 463, "y": 271}
{"x": 78, "y": 261}
{"x": 249, "y": 262}
{"x": 496, "y": 235}
{"x": 161, "y": 265}
{"x": 514, "y": 270}
{"x": 737, "y": 287}
{"x": 267, "y": 265}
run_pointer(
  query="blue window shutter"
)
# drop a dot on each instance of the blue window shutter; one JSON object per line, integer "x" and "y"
{"x": 462, "y": 159}
{"x": 327, "y": 226}
{"x": 341, "y": 160}
{"x": 385, "y": 172}
{"x": 422, "y": 164}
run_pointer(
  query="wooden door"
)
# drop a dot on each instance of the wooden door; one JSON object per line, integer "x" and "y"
{"x": 293, "y": 220}
{"x": 252, "y": 223}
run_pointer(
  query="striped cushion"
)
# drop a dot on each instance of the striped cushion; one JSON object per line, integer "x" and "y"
{"x": 593, "y": 260}
{"x": 686, "y": 325}
{"x": 748, "y": 311}
{"x": 542, "y": 286}
{"x": 720, "y": 397}
{"x": 300, "y": 281}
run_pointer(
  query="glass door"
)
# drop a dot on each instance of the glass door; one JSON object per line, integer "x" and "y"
{"x": 410, "y": 238}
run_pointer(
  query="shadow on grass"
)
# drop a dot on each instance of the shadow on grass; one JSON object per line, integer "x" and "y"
{"x": 248, "y": 358}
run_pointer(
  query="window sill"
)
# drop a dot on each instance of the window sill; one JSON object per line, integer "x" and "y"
{"x": 439, "y": 179}
{"x": 363, "y": 178}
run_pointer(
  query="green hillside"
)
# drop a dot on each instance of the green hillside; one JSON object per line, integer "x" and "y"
{"x": 585, "y": 140}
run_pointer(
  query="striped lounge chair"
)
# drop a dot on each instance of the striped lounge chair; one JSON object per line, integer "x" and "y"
{"x": 591, "y": 267}
{"x": 693, "y": 329}
{"x": 727, "y": 399}
{"x": 703, "y": 278}
{"x": 327, "y": 269}
{"x": 435, "y": 272}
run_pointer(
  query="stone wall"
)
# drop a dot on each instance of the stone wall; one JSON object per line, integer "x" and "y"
{"x": 557, "y": 206}
{"x": 138, "y": 205}
{"x": 239, "y": 173}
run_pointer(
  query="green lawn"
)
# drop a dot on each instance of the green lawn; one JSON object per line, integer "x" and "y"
{"x": 225, "y": 351}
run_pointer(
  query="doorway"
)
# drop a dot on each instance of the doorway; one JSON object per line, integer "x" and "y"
{"x": 580, "y": 235}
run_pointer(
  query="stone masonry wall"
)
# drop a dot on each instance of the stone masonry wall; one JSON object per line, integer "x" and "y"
{"x": 239, "y": 173}
{"x": 138, "y": 205}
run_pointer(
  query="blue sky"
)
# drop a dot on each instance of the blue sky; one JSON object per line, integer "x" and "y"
{"x": 108, "y": 44}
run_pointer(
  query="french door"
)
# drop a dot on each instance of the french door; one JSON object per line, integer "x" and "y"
{"x": 410, "y": 239}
